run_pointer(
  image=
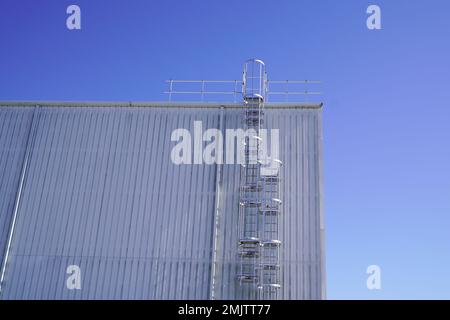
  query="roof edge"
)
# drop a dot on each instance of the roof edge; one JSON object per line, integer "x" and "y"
{"x": 156, "y": 104}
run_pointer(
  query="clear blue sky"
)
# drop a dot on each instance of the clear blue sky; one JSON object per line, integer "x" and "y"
{"x": 386, "y": 116}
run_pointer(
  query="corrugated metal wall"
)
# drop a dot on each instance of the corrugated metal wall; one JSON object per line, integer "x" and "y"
{"x": 101, "y": 192}
{"x": 302, "y": 261}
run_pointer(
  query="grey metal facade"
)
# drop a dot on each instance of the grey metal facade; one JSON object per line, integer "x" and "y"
{"x": 92, "y": 184}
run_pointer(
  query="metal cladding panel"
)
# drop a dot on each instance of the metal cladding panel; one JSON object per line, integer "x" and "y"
{"x": 14, "y": 128}
{"x": 302, "y": 227}
{"x": 101, "y": 193}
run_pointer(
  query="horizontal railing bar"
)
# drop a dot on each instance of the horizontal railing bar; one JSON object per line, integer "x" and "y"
{"x": 240, "y": 81}
{"x": 294, "y": 81}
{"x": 202, "y": 81}
{"x": 293, "y": 93}
{"x": 202, "y": 92}
{"x": 236, "y": 92}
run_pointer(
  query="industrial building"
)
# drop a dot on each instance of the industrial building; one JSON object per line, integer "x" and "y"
{"x": 92, "y": 185}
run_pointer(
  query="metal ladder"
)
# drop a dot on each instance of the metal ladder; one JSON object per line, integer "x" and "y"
{"x": 249, "y": 195}
{"x": 270, "y": 210}
{"x": 259, "y": 194}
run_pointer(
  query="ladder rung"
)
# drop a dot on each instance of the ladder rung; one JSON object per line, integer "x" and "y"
{"x": 250, "y": 240}
{"x": 270, "y": 285}
{"x": 248, "y": 278}
{"x": 271, "y": 243}
{"x": 249, "y": 254}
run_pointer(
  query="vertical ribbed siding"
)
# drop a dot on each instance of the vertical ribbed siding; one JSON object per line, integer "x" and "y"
{"x": 102, "y": 193}
{"x": 300, "y": 218}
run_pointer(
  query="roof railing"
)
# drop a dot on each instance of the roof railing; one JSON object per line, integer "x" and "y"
{"x": 282, "y": 89}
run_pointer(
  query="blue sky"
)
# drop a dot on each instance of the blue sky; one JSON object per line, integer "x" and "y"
{"x": 386, "y": 103}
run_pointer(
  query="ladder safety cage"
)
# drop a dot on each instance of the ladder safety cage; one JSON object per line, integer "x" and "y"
{"x": 258, "y": 246}
{"x": 249, "y": 243}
